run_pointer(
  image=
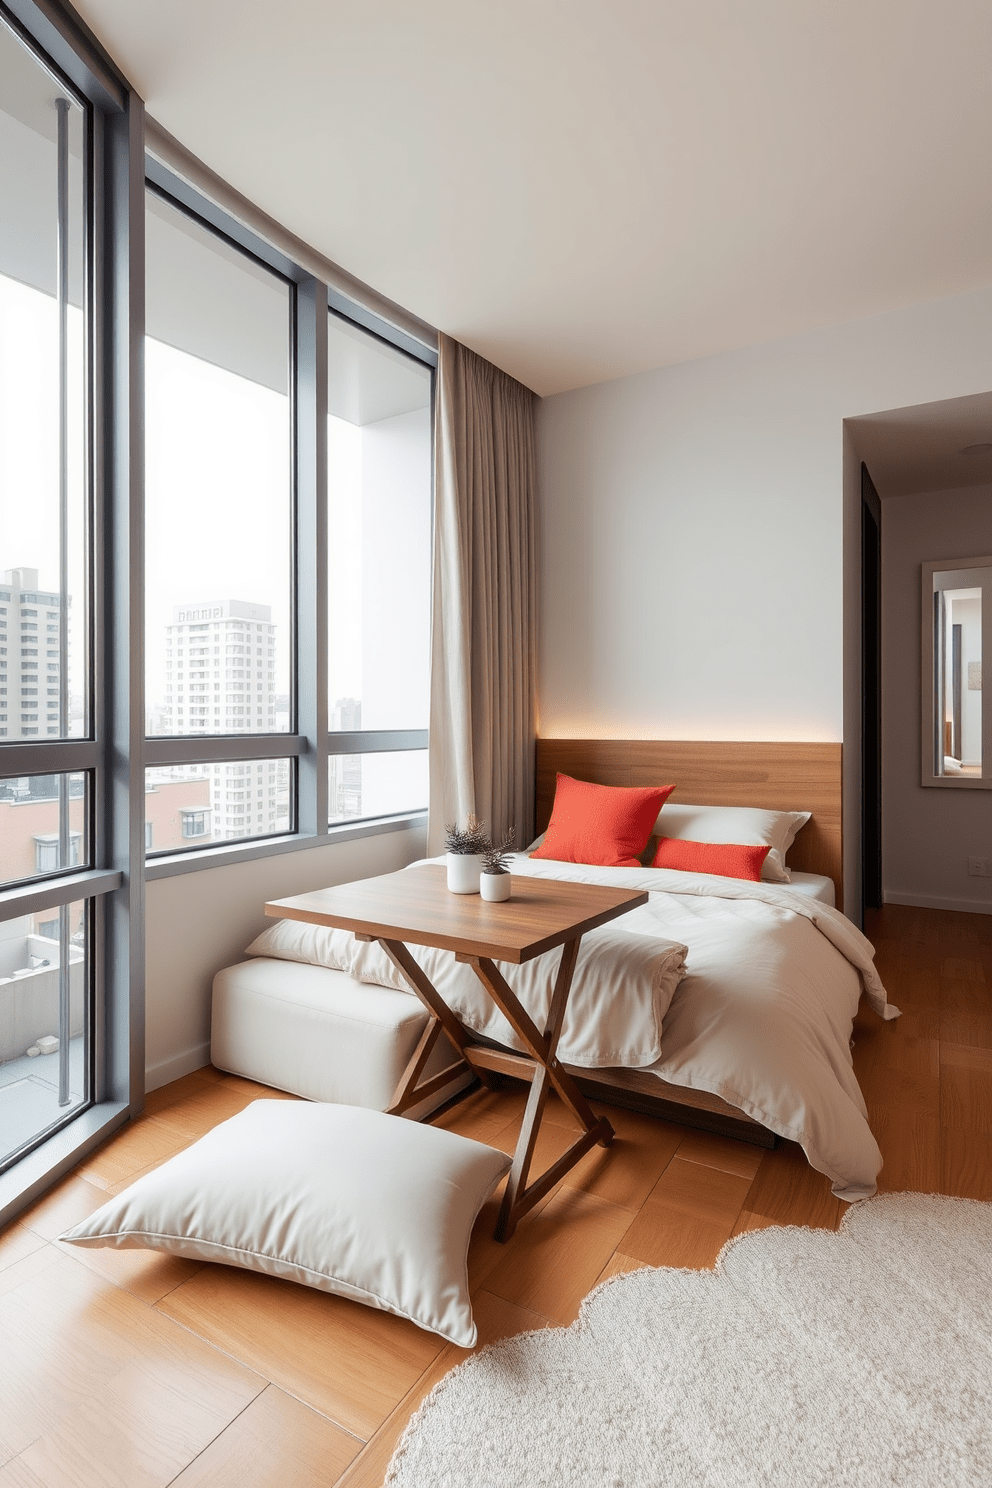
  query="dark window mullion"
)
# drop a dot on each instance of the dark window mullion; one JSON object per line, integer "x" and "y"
{"x": 311, "y": 554}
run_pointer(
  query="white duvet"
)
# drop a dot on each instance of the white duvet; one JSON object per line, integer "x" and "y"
{"x": 763, "y": 1015}
{"x": 621, "y": 987}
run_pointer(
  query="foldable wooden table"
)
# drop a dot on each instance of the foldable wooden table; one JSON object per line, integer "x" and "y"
{"x": 414, "y": 907}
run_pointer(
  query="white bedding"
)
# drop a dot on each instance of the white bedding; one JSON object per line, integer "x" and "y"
{"x": 814, "y": 885}
{"x": 622, "y": 986}
{"x": 763, "y": 1016}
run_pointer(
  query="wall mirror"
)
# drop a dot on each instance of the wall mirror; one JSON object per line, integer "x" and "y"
{"x": 957, "y": 655}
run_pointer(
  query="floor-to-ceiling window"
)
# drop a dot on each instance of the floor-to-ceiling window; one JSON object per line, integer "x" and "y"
{"x": 52, "y": 777}
{"x": 219, "y": 492}
{"x": 234, "y": 668}
{"x": 379, "y": 484}
{"x": 288, "y": 539}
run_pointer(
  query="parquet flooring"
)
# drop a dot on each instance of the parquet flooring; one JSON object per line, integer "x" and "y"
{"x": 133, "y": 1369}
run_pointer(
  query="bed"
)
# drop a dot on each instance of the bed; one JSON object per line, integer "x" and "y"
{"x": 726, "y": 1004}
{"x": 782, "y": 776}
{"x": 814, "y": 886}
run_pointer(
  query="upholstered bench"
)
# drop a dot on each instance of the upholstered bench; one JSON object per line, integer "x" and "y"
{"x": 318, "y": 1033}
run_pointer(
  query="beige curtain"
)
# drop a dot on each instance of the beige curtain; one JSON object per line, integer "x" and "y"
{"x": 484, "y": 652}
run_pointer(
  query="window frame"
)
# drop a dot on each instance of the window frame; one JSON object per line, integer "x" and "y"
{"x": 113, "y": 896}
{"x": 310, "y": 743}
{"x": 931, "y": 708}
{"x": 382, "y": 741}
{"x": 163, "y": 750}
{"x": 124, "y": 153}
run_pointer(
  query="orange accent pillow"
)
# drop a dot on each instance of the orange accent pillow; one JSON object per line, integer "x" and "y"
{"x": 608, "y": 825}
{"x": 728, "y": 859}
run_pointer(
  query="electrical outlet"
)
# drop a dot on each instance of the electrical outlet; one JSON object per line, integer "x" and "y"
{"x": 978, "y": 867}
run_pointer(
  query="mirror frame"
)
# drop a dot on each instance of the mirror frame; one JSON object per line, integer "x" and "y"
{"x": 928, "y": 710}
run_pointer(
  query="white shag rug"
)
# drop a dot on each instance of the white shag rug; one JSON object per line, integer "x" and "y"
{"x": 806, "y": 1358}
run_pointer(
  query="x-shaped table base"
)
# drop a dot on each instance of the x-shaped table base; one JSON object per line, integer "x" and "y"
{"x": 414, "y": 908}
{"x": 540, "y": 1066}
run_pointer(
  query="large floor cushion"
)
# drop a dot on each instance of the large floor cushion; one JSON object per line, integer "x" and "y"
{"x": 315, "y": 1032}
{"x": 369, "y": 1206}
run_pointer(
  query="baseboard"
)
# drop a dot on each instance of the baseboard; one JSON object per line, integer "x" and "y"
{"x": 195, "y": 1058}
{"x": 176, "y": 1067}
{"x": 936, "y": 901}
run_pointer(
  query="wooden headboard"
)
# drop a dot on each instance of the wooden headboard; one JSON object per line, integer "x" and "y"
{"x": 783, "y": 777}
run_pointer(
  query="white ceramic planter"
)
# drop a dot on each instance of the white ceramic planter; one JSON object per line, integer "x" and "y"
{"x": 464, "y": 870}
{"x": 494, "y": 886}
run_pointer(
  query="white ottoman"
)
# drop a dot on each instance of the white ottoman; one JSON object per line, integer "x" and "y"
{"x": 319, "y": 1034}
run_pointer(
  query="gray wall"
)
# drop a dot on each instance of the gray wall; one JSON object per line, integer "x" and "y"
{"x": 929, "y": 833}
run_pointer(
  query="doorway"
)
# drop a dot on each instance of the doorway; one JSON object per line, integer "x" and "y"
{"x": 928, "y": 467}
{"x": 871, "y": 712}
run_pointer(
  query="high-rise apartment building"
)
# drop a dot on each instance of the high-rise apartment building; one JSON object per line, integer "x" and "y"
{"x": 220, "y": 662}
{"x": 220, "y": 679}
{"x": 29, "y": 656}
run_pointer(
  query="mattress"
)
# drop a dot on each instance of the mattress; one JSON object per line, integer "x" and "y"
{"x": 814, "y": 885}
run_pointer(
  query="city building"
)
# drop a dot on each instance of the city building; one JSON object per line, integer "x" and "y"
{"x": 29, "y": 656}
{"x": 29, "y": 826}
{"x": 344, "y": 771}
{"x": 176, "y": 811}
{"x": 220, "y": 669}
{"x": 220, "y": 679}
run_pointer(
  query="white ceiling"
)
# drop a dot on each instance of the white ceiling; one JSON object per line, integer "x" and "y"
{"x": 930, "y": 447}
{"x": 581, "y": 190}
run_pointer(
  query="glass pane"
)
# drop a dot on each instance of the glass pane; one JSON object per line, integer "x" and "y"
{"x": 190, "y": 806}
{"x": 43, "y": 826}
{"x": 960, "y": 681}
{"x": 217, "y": 485}
{"x": 367, "y": 785}
{"x": 379, "y": 533}
{"x": 41, "y": 1081}
{"x": 43, "y": 593}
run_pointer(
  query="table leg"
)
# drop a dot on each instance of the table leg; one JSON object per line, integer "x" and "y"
{"x": 519, "y": 1197}
{"x": 409, "y": 1092}
{"x": 542, "y": 1047}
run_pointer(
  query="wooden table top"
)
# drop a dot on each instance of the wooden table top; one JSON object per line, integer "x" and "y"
{"x": 415, "y": 906}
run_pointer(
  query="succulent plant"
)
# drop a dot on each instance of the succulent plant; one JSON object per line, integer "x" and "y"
{"x": 496, "y": 856}
{"x": 472, "y": 838}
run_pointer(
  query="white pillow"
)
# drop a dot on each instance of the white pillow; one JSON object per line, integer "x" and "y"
{"x": 319, "y": 945}
{"x": 369, "y": 1206}
{"x": 749, "y": 826}
{"x": 296, "y": 940}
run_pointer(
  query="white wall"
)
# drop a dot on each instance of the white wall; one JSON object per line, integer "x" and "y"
{"x": 928, "y": 833}
{"x": 197, "y": 923}
{"x": 695, "y": 521}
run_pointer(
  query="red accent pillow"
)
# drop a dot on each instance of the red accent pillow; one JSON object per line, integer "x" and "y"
{"x": 729, "y": 859}
{"x": 604, "y": 824}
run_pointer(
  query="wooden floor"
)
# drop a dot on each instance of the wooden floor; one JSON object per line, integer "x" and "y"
{"x": 132, "y": 1369}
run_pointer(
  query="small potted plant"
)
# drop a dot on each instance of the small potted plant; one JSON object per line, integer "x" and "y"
{"x": 494, "y": 881}
{"x": 465, "y": 847}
